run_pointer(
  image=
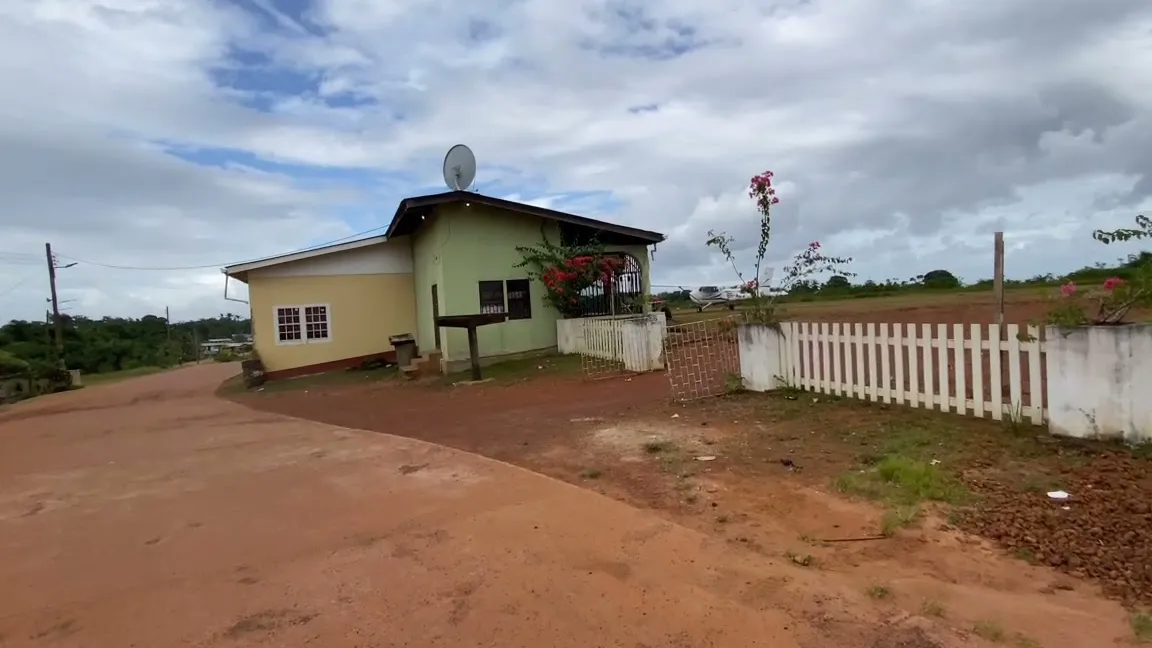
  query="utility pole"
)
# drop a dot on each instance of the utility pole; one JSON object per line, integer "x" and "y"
{"x": 167, "y": 324}
{"x": 55, "y": 304}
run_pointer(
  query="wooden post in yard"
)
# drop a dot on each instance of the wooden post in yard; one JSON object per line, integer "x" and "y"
{"x": 474, "y": 352}
{"x": 998, "y": 277}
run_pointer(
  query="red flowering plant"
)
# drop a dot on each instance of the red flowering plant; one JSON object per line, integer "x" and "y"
{"x": 567, "y": 271}
{"x": 1109, "y": 303}
{"x": 808, "y": 262}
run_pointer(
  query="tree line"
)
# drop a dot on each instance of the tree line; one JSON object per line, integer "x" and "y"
{"x": 841, "y": 287}
{"x": 111, "y": 343}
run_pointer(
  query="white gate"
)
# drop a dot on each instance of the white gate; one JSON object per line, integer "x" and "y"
{"x": 612, "y": 346}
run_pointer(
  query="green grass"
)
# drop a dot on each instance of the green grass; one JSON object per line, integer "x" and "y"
{"x": 989, "y": 630}
{"x": 902, "y": 480}
{"x": 879, "y": 592}
{"x": 115, "y": 376}
{"x": 1141, "y": 623}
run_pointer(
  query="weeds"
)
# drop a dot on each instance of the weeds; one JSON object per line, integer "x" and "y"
{"x": 721, "y": 519}
{"x": 879, "y": 592}
{"x": 1141, "y": 622}
{"x": 804, "y": 560}
{"x": 989, "y": 630}
{"x": 656, "y": 447}
{"x": 733, "y": 383}
{"x": 591, "y": 473}
{"x": 898, "y": 518}
{"x": 932, "y": 608}
{"x": 902, "y": 480}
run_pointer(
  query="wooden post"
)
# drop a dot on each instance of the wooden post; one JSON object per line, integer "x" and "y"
{"x": 998, "y": 277}
{"x": 474, "y": 352}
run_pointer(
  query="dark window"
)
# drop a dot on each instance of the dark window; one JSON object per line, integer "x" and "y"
{"x": 519, "y": 299}
{"x": 492, "y": 297}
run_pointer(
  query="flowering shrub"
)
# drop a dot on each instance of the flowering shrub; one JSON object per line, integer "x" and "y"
{"x": 807, "y": 263}
{"x": 566, "y": 271}
{"x": 1110, "y": 302}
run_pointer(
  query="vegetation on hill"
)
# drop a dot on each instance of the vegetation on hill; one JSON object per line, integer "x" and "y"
{"x": 841, "y": 287}
{"x": 111, "y": 343}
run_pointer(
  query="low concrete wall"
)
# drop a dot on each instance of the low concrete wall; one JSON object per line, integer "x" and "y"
{"x": 1100, "y": 382}
{"x": 761, "y": 357}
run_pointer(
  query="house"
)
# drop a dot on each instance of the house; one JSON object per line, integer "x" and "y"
{"x": 450, "y": 253}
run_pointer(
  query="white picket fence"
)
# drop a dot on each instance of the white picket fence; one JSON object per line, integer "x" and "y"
{"x": 954, "y": 368}
{"x": 634, "y": 342}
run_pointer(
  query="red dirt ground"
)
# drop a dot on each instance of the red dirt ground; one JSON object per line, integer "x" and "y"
{"x": 622, "y": 438}
{"x": 150, "y": 513}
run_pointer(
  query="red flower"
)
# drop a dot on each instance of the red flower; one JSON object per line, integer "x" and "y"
{"x": 1113, "y": 283}
{"x": 1068, "y": 289}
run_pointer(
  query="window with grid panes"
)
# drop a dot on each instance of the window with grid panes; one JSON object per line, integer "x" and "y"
{"x": 303, "y": 324}
{"x": 519, "y": 299}
{"x": 492, "y": 297}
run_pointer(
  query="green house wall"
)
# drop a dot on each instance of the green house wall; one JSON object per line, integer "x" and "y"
{"x": 461, "y": 245}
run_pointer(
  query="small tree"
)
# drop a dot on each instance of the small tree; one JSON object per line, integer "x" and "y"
{"x": 804, "y": 265}
{"x": 1116, "y": 296}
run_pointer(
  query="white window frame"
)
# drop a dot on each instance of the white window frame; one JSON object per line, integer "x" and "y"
{"x": 299, "y": 308}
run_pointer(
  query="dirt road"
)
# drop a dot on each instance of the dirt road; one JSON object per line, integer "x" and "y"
{"x": 151, "y": 513}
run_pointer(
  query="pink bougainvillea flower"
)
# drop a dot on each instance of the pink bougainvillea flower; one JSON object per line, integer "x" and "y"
{"x": 1113, "y": 283}
{"x": 1068, "y": 289}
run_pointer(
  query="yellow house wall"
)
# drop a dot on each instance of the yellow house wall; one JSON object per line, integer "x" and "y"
{"x": 364, "y": 309}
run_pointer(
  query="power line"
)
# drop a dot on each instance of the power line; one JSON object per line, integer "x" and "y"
{"x": 218, "y": 265}
{"x": 18, "y": 284}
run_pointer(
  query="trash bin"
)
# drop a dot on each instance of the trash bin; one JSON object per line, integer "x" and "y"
{"x": 405, "y": 345}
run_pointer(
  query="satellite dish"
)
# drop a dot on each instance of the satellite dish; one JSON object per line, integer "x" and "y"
{"x": 459, "y": 168}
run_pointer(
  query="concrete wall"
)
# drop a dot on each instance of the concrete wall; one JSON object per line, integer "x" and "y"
{"x": 365, "y": 306}
{"x": 762, "y": 357}
{"x": 1100, "y": 381}
{"x": 481, "y": 246}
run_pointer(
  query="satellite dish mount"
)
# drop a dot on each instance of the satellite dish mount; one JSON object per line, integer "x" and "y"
{"x": 459, "y": 168}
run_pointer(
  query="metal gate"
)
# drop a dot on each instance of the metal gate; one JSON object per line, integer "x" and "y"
{"x": 703, "y": 358}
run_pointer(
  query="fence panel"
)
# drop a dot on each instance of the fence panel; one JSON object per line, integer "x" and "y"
{"x": 939, "y": 367}
{"x": 702, "y": 358}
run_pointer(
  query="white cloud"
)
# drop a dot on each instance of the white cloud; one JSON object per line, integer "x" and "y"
{"x": 906, "y": 131}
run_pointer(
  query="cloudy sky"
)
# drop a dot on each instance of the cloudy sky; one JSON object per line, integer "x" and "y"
{"x": 182, "y": 133}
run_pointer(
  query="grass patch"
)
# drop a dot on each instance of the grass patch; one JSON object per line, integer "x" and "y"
{"x": 879, "y": 592}
{"x": 591, "y": 473}
{"x": 88, "y": 380}
{"x": 898, "y": 518}
{"x": 932, "y": 608}
{"x": 656, "y": 447}
{"x": 989, "y": 630}
{"x": 234, "y": 386}
{"x": 1141, "y": 623}
{"x": 1025, "y": 554}
{"x": 514, "y": 371}
{"x": 722, "y": 519}
{"x": 902, "y": 480}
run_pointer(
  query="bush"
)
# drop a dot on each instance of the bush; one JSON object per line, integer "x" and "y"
{"x": 11, "y": 365}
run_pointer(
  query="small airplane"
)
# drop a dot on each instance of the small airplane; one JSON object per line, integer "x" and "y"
{"x": 729, "y": 296}
{"x": 706, "y": 296}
